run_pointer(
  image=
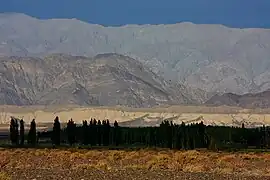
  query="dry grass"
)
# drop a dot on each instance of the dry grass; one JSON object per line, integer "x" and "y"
{"x": 4, "y": 176}
{"x": 151, "y": 160}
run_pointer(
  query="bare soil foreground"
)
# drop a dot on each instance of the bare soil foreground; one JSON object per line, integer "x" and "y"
{"x": 131, "y": 164}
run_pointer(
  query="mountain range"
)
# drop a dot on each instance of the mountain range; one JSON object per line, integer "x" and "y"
{"x": 204, "y": 58}
{"x": 106, "y": 79}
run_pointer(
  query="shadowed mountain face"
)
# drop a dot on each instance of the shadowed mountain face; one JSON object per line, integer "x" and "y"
{"x": 210, "y": 57}
{"x": 107, "y": 79}
{"x": 258, "y": 100}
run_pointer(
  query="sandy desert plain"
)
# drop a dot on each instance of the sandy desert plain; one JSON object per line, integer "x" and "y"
{"x": 223, "y": 115}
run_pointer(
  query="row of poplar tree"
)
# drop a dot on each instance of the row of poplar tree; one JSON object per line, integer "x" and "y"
{"x": 18, "y": 136}
{"x": 167, "y": 135}
{"x": 102, "y": 133}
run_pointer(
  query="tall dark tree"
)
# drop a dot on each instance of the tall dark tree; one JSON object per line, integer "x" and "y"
{"x": 17, "y": 131}
{"x": 94, "y": 132}
{"x": 184, "y": 136}
{"x": 99, "y": 132}
{"x": 13, "y": 129}
{"x": 263, "y": 136}
{"x": 202, "y": 140}
{"x": 267, "y": 138}
{"x": 71, "y": 132}
{"x": 116, "y": 133}
{"x": 56, "y": 132}
{"x": 167, "y": 132}
{"x": 85, "y": 135}
{"x": 163, "y": 133}
{"x": 170, "y": 135}
{"x": 91, "y": 132}
{"x": 103, "y": 132}
{"x": 22, "y": 132}
{"x": 32, "y": 134}
{"x": 178, "y": 134}
{"x": 108, "y": 132}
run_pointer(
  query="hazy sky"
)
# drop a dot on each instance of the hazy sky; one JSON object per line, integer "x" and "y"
{"x": 236, "y": 13}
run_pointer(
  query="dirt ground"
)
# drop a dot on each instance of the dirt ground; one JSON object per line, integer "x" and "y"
{"x": 132, "y": 164}
{"x": 123, "y": 175}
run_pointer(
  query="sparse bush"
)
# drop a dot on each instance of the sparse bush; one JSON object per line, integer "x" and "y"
{"x": 4, "y": 176}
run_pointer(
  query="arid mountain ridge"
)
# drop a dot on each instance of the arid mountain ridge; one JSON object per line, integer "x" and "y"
{"x": 249, "y": 100}
{"x": 106, "y": 79}
{"x": 213, "y": 58}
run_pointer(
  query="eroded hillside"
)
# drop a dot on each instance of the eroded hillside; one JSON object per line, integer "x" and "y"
{"x": 106, "y": 79}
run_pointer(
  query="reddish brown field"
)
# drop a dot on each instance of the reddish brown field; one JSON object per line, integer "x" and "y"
{"x": 134, "y": 164}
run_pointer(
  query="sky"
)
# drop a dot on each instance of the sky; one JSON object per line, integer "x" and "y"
{"x": 233, "y": 13}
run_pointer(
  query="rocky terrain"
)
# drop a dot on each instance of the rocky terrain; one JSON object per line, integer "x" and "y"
{"x": 107, "y": 79}
{"x": 250, "y": 100}
{"x": 214, "y": 58}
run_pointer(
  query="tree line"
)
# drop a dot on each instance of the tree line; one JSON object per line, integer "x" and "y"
{"x": 166, "y": 135}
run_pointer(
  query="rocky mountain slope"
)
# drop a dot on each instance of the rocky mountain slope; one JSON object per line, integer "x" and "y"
{"x": 106, "y": 79}
{"x": 214, "y": 58}
{"x": 250, "y": 100}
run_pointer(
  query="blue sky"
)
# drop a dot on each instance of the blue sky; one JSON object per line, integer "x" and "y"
{"x": 234, "y": 13}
